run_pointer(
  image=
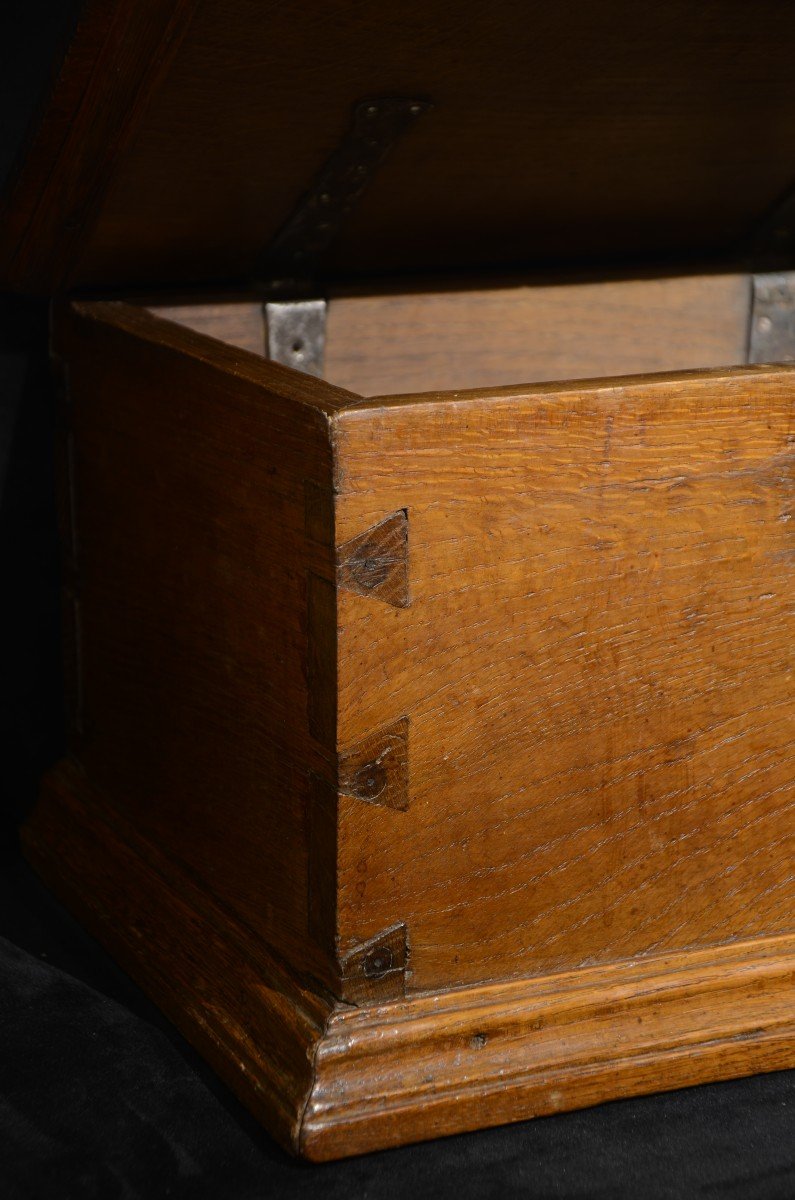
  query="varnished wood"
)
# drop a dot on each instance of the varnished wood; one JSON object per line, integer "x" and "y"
{"x": 182, "y": 136}
{"x": 430, "y": 754}
{"x": 332, "y": 1080}
{"x": 596, "y": 663}
{"x": 255, "y": 1021}
{"x": 516, "y": 809}
{"x": 478, "y": 1056}
{"x": 486, "y": 336}
{"x": 190, "y": 462}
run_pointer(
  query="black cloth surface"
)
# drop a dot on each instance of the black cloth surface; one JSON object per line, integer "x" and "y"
{"x": 101, "y": 1098}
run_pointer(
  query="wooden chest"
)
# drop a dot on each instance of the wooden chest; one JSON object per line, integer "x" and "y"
{"x": 431, "y": 731}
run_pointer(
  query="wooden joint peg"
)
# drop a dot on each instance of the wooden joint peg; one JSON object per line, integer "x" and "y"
{"x": 377, "y": 769}
{"x": 376, "y": 562}
{"x": 376, "y": 969}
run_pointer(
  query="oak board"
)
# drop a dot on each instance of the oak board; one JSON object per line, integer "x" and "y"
{"x": 466, "y": 717}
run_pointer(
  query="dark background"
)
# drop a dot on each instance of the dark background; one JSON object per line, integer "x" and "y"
{"x": 99, "y": 1096}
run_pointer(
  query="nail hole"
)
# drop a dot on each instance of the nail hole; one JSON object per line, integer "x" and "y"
{"x": 377, "y": 962}
{"x": 478, "y": 1041}
{"x": 369, "y": 781}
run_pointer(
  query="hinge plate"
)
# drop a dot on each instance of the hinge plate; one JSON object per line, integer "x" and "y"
{"x": 291, "y": 259}
{"x": 772, "y": 326}
{"x": 295, "y": 333}
{"x": 295, "y": 317}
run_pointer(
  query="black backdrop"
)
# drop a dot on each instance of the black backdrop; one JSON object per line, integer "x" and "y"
{"x": 99, "y": 1096}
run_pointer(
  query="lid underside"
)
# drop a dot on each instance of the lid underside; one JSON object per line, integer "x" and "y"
{"x": 182, "y": 135}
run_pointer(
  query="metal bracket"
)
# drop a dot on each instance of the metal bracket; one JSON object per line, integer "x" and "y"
{"x": 771, "y": 335}
{"x": 295, "y": 333}
{"x": 295, "y": 318}
{"x": 292, "y": 257}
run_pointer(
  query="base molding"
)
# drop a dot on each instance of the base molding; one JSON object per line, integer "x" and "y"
{"x": 503, "y": 1052}
{"x": 330, "y": 1079}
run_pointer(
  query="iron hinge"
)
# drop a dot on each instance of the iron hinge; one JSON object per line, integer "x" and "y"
{"x": 294, "y": 310}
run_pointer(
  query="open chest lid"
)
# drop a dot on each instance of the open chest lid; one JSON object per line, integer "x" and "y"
{"x": 186, "y": 139}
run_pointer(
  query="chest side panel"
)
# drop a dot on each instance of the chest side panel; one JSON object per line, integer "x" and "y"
{"x": 187, "y": 567}
{"x": 596, "y": 665}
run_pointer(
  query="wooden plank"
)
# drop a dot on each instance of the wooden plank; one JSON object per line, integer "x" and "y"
{"x": 496, "y": 332}
{"x": 182, "y": 136}
{"x": 480, "y": 1056}
{"x": 255, "y": 1022}
{"x": 596, "y": 665}
{"x": 331, "y": 1080}
{"x": 237, "y": 322}
{"x": 435, "y": 763}
{"x": 116, "y": 57}
{"x": 491, "y": 336}
{"x": 190, "y": 468}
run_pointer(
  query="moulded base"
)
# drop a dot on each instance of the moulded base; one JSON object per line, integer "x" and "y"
{"x": 330, "y": 1079}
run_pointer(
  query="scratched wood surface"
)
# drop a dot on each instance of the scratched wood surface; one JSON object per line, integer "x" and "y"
{"x": 596, "y": 667}
{"x": 483, "y": 1055}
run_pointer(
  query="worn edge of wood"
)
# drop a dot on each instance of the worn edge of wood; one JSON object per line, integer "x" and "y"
{"x": 453, "y": 1062}
{"x": 331, "y": 1080}
{"x": 158, "y": 332}
{"x": 563, "y": 389}
{"x": 256, "y": 1022}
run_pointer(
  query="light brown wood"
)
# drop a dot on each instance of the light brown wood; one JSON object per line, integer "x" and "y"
{"x": 596, "y": 663}
{"x": 486, "y": 336}
{"x": 480, "y": 1056}
{"x": 468, "y": 715}
{"x": 181, "y": 136}
{"x": 332, "y": 1080}
{"x": 430, "y": 755}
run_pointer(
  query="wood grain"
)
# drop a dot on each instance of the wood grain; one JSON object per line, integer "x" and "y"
{"x": 481, "y": 1056}
{"x": 331, "y": 1080}
{"x": 495, "y": 332}
{"x": 236, "y": 321}
{"x": 593, "y": 132}
{"x": 190, "y": 467}
{"x": 597, "y": 667}
{"x": 256, "y": 1022}
{"x": 510, "y": 830}
{"x": 539, "y": 330}
{"x": 118, "y": 54}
